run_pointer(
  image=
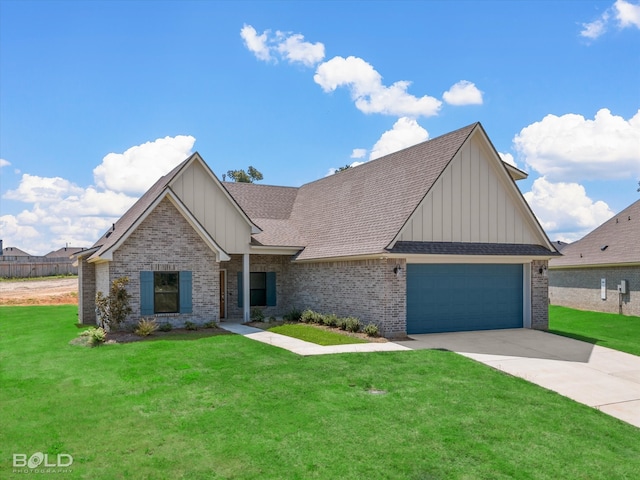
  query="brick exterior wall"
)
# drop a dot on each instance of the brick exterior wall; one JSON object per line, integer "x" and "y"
{"x": 580, "y": 288}
{"x": 539, "y": 295}
{"x": 86, "y": 292}
{"x": 165, "y": 241}
{"x": 367, "y": 289}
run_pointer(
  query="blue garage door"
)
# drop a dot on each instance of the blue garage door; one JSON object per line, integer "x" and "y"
{"x": 454, "y": 297}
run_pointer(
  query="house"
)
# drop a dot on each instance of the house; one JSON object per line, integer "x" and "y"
{"x": 64, "y": 252}
{"x": 588, "y": 274}
{"x": 433, "y": 238}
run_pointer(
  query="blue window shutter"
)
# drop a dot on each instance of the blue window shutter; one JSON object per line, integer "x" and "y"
{"x": 271, "y": 289}
{"x": 240, "y": 289}
{"x": 186, "y": 304}
{"x": 146, "y": 293}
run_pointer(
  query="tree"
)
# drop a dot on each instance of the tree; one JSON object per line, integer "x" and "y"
{"x": 250, "y": 176}
{"x": 114, "y": 308}
{"x": 639, "y": 186}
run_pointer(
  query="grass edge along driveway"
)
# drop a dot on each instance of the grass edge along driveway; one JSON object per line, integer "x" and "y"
{"x": 228, "y": 407}
{"x": 619, "y": 332}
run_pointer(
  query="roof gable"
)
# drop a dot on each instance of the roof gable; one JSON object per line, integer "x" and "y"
{"x": 127, "y": 224}
{"x": 214, "y": 207}
{"x": 614, "y": 242}
{"x": 474, "y": 200}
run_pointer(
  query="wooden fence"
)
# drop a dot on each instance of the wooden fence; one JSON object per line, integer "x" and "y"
{"x": 25, "y": 267}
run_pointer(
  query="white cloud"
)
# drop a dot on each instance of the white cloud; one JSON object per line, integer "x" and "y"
{"x": 463, "y": 93}
{"x": 282, "y": 45}
{"x": 626, "y": 15}
{"x": 564, "y": 209}
{"x": 62, "y": 212}
{"x": 135, "y": 170}
{"x": 35, "y": 189}
{"x": 368, "y": 92}
{"x": 295, "y": 49}
{"x": 358, "y": 153}
{"x": 257, "y": 44}
{"x": 595, "y": 29}
{"x": 405, "y": 133}
{"x": 4, "y": 163}
{"x": 573, "y": 148}
{"x": 508, "y": 158}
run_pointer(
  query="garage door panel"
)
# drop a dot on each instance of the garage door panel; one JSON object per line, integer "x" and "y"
{"x": 459, "y": 297}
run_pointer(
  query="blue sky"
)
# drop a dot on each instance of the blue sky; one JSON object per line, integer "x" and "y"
{"x": 99, "y": 99}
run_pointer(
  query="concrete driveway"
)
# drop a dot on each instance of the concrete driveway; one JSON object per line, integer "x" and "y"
{"x": 596, "y": 376}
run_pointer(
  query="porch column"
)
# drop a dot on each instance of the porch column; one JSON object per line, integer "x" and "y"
{"x": 246, "y": 288}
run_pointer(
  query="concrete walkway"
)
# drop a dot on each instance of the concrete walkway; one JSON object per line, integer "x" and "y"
{"x": 307, "y": 348}
{"x": 600, "y": 377}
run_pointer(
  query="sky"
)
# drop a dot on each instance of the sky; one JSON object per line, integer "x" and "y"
{"x": 100, "y": 99}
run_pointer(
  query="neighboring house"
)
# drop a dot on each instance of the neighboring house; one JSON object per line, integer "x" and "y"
{"x": 14, "y": 252}
{"x": 15, "y": 263}
{"x": 436, "y": 237}
{"x": 590, "y": 270}
{"x": 64, "y": 252}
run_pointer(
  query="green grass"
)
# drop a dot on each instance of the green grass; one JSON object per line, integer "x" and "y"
{"x": 312, "y": 334}
{"x": 228, "y": 407}
{"x": 610, "y": 330}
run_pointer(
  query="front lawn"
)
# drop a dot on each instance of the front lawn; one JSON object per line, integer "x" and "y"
{"x": 228, "y": 407}
{"x": 610, "y": 330}
{"x": 313, "y": 334}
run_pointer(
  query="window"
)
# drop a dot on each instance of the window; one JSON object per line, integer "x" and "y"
{"x": 166, "y": 292}
{"x": 262, "y": 289}
{"x": 258, "y": 289}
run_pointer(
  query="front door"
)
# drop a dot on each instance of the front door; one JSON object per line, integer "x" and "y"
{"x": 223, "y": 293}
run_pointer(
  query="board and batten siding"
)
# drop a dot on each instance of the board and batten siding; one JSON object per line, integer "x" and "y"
{"x": 471, "y": 202}
{"x": 213, "y": 209}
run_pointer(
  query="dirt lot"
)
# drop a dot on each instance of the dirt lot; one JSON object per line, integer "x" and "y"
{"x": 54, "y": 291}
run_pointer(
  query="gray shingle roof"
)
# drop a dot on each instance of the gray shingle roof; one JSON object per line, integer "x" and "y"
{"x": 620, "y": 235}
{"x": 460, "y": 248}
{"x": 360, "y": 210}
{"x": 111, "y": 237}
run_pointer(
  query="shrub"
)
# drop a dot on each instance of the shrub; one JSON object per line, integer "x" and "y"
{"x": 272, "y": 319}
{"x": 352, "y": 324}
{"x": 165, "y": 327}
{"x": 112, "y": 309}
{"x": 257, "y": 315}
{"x": 341, "y": 323}
{"x": 292, "y": 315}
{"x": 211, "y": 324}
{"x": 146, "y": 327}
{"x": 96, "y": 336}
{"x": 371, "y": 330}
{"x": 190, "y": 326}
{"x": 307, "y": 316}
{"x": 331, "y": 320}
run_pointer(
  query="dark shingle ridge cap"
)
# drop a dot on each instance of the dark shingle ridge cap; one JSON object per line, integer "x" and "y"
{"x": 473, "y": 248}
